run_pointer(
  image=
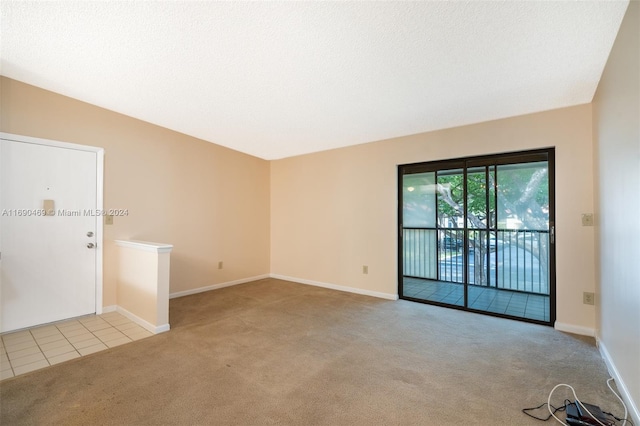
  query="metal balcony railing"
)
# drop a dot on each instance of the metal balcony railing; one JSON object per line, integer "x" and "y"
{"x": 504, "y": 259}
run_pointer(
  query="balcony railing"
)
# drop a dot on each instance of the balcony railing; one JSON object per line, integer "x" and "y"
{"x": 504, "y": 259}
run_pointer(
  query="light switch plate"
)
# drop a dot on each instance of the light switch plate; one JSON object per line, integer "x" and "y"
{"x": 49, "y": 207}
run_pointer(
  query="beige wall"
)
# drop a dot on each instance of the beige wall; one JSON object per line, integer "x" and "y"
{"x": 329, "y": 213}
{"x": 210, "y": 202}
{"x": 333, "y": 212}
{"x": 617, "y": 135}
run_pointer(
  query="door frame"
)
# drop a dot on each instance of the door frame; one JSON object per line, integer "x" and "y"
{"x": 99, "y": 196}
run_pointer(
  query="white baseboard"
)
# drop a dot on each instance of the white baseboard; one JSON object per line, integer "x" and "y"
{"x": 110, "y": 308}
{"x": 216, "y": 286}
{"x": 634, "y": 413}
{"x": 142, "y": 323}
{"x": 378, "y": 294}
{"x": 155, "y": 329}
{"x": 575, "y": 329}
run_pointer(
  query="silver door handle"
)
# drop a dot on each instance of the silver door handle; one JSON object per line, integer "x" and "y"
{"x": 90, "y": 245}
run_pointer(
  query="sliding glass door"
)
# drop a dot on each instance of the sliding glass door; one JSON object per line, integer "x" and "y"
{"x": 478, "y": 234}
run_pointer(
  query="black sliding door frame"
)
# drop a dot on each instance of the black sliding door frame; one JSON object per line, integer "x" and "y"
{"x": 486, "y": 165}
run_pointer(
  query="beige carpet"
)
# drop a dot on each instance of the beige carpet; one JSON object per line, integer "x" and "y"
{"x": 274, "y": 352}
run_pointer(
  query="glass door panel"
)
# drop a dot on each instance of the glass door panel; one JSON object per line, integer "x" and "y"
{"x": 477, "y": 214}
{"x": 429, "y": 252}
{"x": 477, "y": 235}
{"x": 419, "y": 219}
{"x": 524, "y": 229}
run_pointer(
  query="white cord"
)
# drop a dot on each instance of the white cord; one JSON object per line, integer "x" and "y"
{"x": 549, "y": 403}
{"x": 621, "y": 401}
{"x": 582, "y": 405}
{"x": 575, "y": 398}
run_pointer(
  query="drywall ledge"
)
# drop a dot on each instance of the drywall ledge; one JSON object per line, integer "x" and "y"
{"x": 143, "y": 283}
{"x": 145, "y": 246}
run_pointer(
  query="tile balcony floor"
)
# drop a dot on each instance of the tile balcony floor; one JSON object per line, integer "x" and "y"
{"x": 40, "y": 347}
{"x": 507, "y": 302}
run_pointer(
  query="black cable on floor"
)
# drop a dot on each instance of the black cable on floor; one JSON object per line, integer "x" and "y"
{"x": 618, "y": 418}
{"x": 555, "y": 410}
{"x": 564, "y": 408}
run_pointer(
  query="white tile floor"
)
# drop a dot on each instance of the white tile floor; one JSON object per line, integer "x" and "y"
{"x": 39, "y": 347}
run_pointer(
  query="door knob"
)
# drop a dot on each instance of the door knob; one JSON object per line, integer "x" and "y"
{"x": 89, "y": 234}
{"x": 90, "y": 245}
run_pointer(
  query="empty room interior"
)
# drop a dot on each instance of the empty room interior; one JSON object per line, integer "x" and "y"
{"x": 319, "y": 212}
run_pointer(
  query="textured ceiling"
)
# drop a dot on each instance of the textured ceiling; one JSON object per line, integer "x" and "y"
{"x": 277, "y": 79}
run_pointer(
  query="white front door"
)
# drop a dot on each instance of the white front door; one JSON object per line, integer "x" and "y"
{"x": 47, "y": 261}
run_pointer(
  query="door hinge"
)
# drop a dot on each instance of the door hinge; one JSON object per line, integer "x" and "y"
{"x": 552, "y": 233}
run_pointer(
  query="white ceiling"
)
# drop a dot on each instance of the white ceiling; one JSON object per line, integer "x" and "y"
{"x": 277, "y": 79}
